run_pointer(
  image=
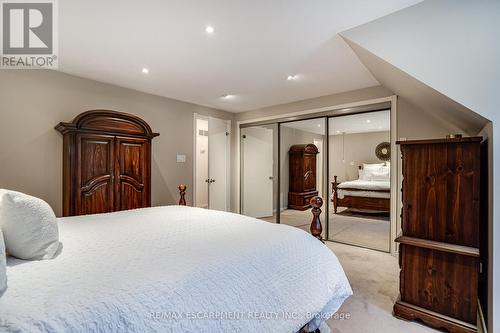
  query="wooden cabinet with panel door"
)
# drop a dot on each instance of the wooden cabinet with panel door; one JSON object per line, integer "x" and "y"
{"x": 439, "y": 245}
{"x": 106, "y": 163}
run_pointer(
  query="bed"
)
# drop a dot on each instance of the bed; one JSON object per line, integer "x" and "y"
{"x": 175, "y": 269}
{"x": 371, "y": 192}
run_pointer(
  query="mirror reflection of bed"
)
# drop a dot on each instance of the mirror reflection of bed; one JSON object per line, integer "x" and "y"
{"x": 361, "y": 208}
{"x": 359, "y": 180}
{"x": 350, "y": 166}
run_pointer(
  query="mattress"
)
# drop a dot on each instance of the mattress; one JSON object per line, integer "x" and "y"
{"x": 175, "y": 269}
{"x": 366, "y": 189}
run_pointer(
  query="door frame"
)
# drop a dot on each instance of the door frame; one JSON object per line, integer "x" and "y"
{"x": 319, "y": 165}
{"x": 343, "y": 109}
{"x": 197, "y": 116}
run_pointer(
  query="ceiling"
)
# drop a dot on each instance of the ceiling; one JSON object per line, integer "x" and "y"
{"x": 256, "y": 45}
{"x": 361, "y": 123}
{"x": 377, "y": 121}
{"x": 411, "y": 62}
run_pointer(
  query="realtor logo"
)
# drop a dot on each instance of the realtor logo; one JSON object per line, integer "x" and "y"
{"x": 28, "y": 34}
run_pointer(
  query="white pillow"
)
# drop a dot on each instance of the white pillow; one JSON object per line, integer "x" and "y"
{"x": 3, "y": 268}
{"x": 385, "y": 169}
{"x": 373, "y": 165}
{"x": 380, "y": 176}
{"x": 369, "y": 169}
{"x": 29, "y": 226}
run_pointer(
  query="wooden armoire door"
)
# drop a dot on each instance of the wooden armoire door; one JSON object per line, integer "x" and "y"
{"x": 106, "y": 163}
{"x": 302, "y": 172}
{"x": 440, "y": 180}
{"x": 439, "y": 246}
{"x": 309, "y": 172}
{"x": 132, "y": 173}
{"x": 96, "y": 174}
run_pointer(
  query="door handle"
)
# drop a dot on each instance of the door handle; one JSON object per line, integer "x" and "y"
{"x": 213, "y": 180}
{"x": 271, "y": 177}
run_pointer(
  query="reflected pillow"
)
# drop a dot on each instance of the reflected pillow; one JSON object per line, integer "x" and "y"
{"x": 29, "y": 226}
{"x": 369, "y": 169}
{"x": 381, "y": 176}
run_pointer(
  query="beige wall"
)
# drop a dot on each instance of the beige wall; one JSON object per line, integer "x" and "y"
{"x": 304, "y": 105}
{"x": 32, "y": 102}
{"x": 413, "y": 122}
{"x": 359, "y": 149}
{"x": 31, "y": 157}
{"x": 319, "y": 102}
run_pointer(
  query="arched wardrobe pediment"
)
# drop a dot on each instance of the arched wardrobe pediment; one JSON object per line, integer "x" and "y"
{"x": 106, "y": 162}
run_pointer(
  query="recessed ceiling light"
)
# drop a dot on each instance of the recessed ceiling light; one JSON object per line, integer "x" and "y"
{"x": 292, "y": 77}
{"x": 145, "y": 70}
{"x": 338, "y": 132}
{"x": 209, "y": 29}
{"x": 227, "y": 96}
{"x": 319, "y": 125}
{"x": 368, "y": 121}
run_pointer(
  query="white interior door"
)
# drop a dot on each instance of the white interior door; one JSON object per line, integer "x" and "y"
{"x": 201, "y": 163}
{"x": 257, "y": 149}
{"x": 217, "y": 163}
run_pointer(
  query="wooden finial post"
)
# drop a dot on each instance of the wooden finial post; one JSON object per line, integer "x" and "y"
{"x": 335, "y": 188}
{"x": 316, "y": 227}
{"x": 182, "y": 192}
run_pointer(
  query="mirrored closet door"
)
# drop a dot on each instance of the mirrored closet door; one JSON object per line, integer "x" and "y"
{"x": 258, "y": 146}
{"x": 343, "y": 158}
{"x": 302, "y": 170}
{"x": 359, "y": 179}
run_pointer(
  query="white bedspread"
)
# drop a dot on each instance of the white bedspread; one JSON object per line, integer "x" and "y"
{"x": 368, "y": 187}
{"x": 366, "y": 184}
{"x": 174, "y": 269}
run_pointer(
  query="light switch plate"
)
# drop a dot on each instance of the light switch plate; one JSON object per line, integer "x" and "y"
{"x": 181, "y": 158}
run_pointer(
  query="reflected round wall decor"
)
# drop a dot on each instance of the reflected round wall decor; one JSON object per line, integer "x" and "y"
{"x": 383, "y": 151}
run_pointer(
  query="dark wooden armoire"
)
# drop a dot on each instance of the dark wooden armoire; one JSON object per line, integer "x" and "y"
{"x": 302, "y": 185}
{"x": 106, "y": 163}
{"x": 439, "y": 245}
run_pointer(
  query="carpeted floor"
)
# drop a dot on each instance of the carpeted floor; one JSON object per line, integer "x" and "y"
{"x": 366, "y": 230}
{"x": 295, "y": 218}
{"x": 374, "y": 277}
